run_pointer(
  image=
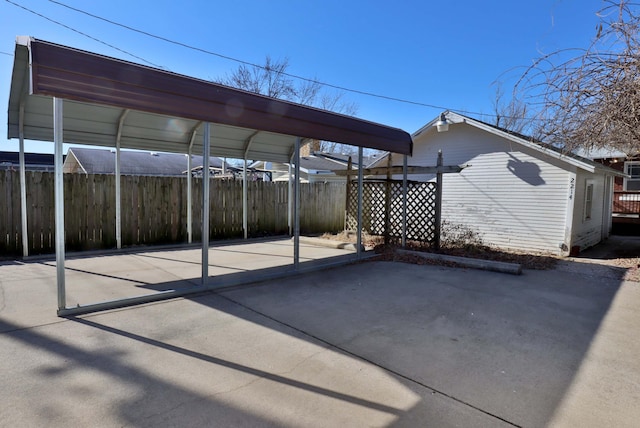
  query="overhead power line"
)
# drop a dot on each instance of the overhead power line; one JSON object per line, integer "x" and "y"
{"x": 219, "y": 55}
{"x": 230, "y": 58}
{"x": 81, "y": 33}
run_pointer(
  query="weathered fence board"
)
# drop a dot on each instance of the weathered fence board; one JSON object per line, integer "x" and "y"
{"x": 154, "y": 210}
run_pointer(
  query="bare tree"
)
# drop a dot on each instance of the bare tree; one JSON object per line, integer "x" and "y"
{"x": 269, "y": 80}
{"x": 512, "y": 114}
{"x": 272, "y": 80}
{"x": 592, "y": 99}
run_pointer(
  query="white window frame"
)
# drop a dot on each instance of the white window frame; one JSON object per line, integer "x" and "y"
{"x": 627, "y": 169}
{"x": 588, "y": 201}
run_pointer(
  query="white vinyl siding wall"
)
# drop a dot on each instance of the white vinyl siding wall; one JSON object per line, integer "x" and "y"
{"x": 509, "y": 195}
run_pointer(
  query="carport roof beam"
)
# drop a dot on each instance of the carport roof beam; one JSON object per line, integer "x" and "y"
{"x": 97, "y": 84}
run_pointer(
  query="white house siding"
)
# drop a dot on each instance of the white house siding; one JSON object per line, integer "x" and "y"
{"x": 588, "y": 232}
{"x": 508, "y": 195}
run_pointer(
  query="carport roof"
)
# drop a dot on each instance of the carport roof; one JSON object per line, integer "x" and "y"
{"x": 152, "y": 109}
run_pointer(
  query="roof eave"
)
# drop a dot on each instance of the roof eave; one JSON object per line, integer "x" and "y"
{"x": 458, "y": 118}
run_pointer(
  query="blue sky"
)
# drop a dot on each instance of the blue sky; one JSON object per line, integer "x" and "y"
{"x": 445, "y": 54}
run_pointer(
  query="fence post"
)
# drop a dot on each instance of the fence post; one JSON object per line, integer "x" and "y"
{"x": 438, "y": 201}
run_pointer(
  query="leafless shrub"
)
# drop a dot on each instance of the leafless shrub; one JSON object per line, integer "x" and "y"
{"x": 273, "y": 80}
{"x": 454, "y": 235}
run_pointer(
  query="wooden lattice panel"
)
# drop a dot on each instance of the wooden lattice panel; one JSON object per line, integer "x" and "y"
{"x": 382, "y": 203}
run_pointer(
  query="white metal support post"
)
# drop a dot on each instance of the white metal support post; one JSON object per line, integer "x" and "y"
{"x": 192, "y": 139}
{"x": 189, "y": 202}
{"x": 404, "y": 201}
{"x": 59, "y": 200}
{"x": 23, "y": 185}
{"x": 205, "y": 205}
{"x": 360, "y": 181}
{"x": 245, "y": 199}
{"x": 296, "y": 207}
{"x": 117, "y": 171}
{"x": 245, "y": 182}
{"x": 118, "y": 199}
{"x": 290, "y": 199}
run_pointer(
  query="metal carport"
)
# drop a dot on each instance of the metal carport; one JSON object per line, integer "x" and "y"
{"x": 59, "y": 93}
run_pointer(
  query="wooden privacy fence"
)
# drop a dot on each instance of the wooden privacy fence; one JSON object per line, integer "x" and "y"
{"x": 382, "y": 209}
{"x": 154, "y": 210}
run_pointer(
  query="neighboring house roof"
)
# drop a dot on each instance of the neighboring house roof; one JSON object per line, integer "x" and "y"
{"x": 100, "y": 161}
{"x": 32, "y": 161}
{"x": 324, "y": 161}
{"x": 320, "y": 163}
{"x": 604, "y": 153}
{"x": 526, "y": 141}
{"x": 344, "y": 158}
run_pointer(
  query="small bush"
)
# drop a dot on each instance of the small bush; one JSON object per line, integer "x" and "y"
{"x": 454, "y": 235}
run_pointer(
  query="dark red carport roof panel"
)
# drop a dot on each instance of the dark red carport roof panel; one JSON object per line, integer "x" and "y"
{"x": 64, "y": 72}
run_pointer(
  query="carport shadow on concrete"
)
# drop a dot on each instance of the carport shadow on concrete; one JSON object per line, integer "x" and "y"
{"x": 111, "y": 365}
{"x": 207, "y": 408}
{"x": 505, "y": 347}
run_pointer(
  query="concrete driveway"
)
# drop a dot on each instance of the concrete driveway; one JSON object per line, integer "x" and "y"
{"x": 370, "y": 344}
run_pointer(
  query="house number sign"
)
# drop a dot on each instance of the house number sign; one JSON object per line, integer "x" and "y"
{"x": 572, "y": 186}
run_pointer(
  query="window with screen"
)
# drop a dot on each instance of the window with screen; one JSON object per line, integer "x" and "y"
{"x": 588, "y": 200}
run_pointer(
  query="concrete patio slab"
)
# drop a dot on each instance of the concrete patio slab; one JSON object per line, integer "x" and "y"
{"x": 369, "y": 344}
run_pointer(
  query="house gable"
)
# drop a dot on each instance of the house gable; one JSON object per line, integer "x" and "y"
{"x": 511, "y": 195}
{"x": 521, "y": 140}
